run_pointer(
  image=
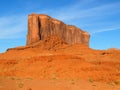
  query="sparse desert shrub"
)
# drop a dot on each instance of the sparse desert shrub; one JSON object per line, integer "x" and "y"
{"x": 73, "y": 81}
{"x": 20, "y": 85}
{"x": 117, "y": 82}
{"x": 91, "y": 80}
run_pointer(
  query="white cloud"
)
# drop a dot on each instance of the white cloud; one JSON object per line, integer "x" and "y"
{"x": 105, "y": 30}
{"x": 11, "y": 26}
{"x": 78, "y": 11}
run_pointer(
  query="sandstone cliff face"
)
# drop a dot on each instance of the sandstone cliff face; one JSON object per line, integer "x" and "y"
{"x": 41, "y": 26}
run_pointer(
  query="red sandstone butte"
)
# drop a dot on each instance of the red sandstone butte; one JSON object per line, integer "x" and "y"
{"x": 40, "y": 26}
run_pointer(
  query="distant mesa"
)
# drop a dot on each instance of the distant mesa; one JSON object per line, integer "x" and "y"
{"x": 41, "y": 26}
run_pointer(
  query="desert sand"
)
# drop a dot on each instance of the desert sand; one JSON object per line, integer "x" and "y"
{"x": 63, "y": 67}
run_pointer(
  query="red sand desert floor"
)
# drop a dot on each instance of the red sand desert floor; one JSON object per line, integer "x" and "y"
{"x": 68, "y": 67}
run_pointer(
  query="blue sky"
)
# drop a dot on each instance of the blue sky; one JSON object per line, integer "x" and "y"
{"x": 101, "y": 18}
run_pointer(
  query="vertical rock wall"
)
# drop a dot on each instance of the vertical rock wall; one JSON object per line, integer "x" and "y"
{"x": 41, "y": 26}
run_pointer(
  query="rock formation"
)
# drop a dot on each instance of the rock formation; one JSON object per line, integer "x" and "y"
{"x": 41, "y": 26}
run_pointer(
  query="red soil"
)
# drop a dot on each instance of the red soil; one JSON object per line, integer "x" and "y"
{"x": 49, "y": 60}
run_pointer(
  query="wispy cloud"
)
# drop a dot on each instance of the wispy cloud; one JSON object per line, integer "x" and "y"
{"x": 79, "y": 10}
{"x": 105, "y": 30}
{"x": 12, "y": 26}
